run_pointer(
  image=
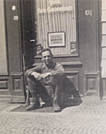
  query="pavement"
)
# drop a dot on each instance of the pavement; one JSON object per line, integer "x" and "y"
{"x": 86, "y": 118}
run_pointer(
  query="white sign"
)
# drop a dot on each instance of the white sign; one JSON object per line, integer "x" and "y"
{"x": 54, "y": 10}
{"x": 56, "y": 39}
{"x": 15, "y": 18}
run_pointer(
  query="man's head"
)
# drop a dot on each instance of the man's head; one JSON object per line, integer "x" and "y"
{"x": 47, "y": 56}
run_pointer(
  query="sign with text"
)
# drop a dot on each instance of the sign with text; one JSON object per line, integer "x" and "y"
{"x": 56, "y": 39}
{"x": 55, "y": 3}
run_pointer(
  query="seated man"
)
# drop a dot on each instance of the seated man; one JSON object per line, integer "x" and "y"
{"x": 46, "y": 81}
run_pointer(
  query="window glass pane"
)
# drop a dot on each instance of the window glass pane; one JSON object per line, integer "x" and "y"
{"x": 103, "y": 67}
{"x": 104, "y": 53}
{"x": 103, "y": 4}
{"x": 103, "y": 62}
{"x": 103, "y": 28}
{"x": 55, "y": 16}
{"x": 103, "y": 40}
{"x": 103, "y": 15}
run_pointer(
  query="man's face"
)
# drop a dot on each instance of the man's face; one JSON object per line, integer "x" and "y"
{"x": 46, "y": 57}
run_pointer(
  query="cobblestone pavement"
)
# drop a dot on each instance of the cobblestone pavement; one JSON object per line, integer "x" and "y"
{"x": 87, "y": 118}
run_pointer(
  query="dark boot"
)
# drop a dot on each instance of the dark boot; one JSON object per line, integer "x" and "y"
{"x": 77, "y": 98}
{"x": 34, "y": 104}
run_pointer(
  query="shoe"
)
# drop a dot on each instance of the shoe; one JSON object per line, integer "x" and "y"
{"x": 56, "y": 108}
{"x": 32, "y": 107}
{"x": 45, "y": 105}
{"x": 77, "y": 101}
{"x": 26, "y": 104}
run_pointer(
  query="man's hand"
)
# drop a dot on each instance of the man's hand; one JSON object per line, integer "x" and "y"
{"x": 36, "y": 75}
{"x": 39, "y": 76}
{"x": 45, "y": 75}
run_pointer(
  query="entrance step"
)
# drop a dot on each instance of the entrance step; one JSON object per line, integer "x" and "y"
{"x": 4, "y": 92}
{"x": 5, "y": 98}
{"x": 12, "y": 99}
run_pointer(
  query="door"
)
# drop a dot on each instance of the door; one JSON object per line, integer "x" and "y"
{"x": 15, "y": 81}
{"x": 88, "y": 17}
{"x": 3, "y": 55}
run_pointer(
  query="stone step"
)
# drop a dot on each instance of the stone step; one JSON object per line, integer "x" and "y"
{"x": 4, "y": 92}
{"x": 5, "y": 98}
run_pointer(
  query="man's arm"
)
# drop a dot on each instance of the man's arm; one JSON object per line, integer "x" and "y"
{"x": 59, "y": 70}
{"x": 36, "y": 69}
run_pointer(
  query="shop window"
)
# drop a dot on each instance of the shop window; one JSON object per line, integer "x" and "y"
{"x": 57, "y": 17}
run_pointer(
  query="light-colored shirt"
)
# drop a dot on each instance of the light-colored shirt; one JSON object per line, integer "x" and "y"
{"x": 54, "y": 69}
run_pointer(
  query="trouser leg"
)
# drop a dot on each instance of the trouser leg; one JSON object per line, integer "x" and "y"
{"x": 43, "y": 93}
{"x": 27, "y": 98}
{"x": 72, "y": 91}
{"x": 38, "y": 89}
{"x": 76, "y": 96}
{"x": 58, "y": 90}
{"x": 34, "y": 101}
{"x": 56, "y": 105}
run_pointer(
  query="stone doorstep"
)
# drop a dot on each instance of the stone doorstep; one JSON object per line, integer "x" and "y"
{"x": 10, "y": 107}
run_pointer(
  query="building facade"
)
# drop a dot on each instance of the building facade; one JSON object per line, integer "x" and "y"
{"x": 103, "y": 44}
{"x": 72, "y": 29}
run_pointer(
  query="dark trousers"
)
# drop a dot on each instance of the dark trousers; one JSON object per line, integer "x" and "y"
{"x": 50, "y": 90}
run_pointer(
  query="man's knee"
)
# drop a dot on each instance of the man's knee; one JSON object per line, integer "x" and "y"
{"x": 59, "y": 79}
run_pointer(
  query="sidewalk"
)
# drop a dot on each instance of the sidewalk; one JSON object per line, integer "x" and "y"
{"x": 87, "y": 118}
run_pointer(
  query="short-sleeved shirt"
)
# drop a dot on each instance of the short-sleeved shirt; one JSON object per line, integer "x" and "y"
{"x": 55, "y": 69}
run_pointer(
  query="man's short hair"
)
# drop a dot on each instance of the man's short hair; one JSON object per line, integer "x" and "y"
{"x": 47, "y": 49}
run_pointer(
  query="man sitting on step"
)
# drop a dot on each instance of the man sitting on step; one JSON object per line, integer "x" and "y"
{"x": 46, "y": 81}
